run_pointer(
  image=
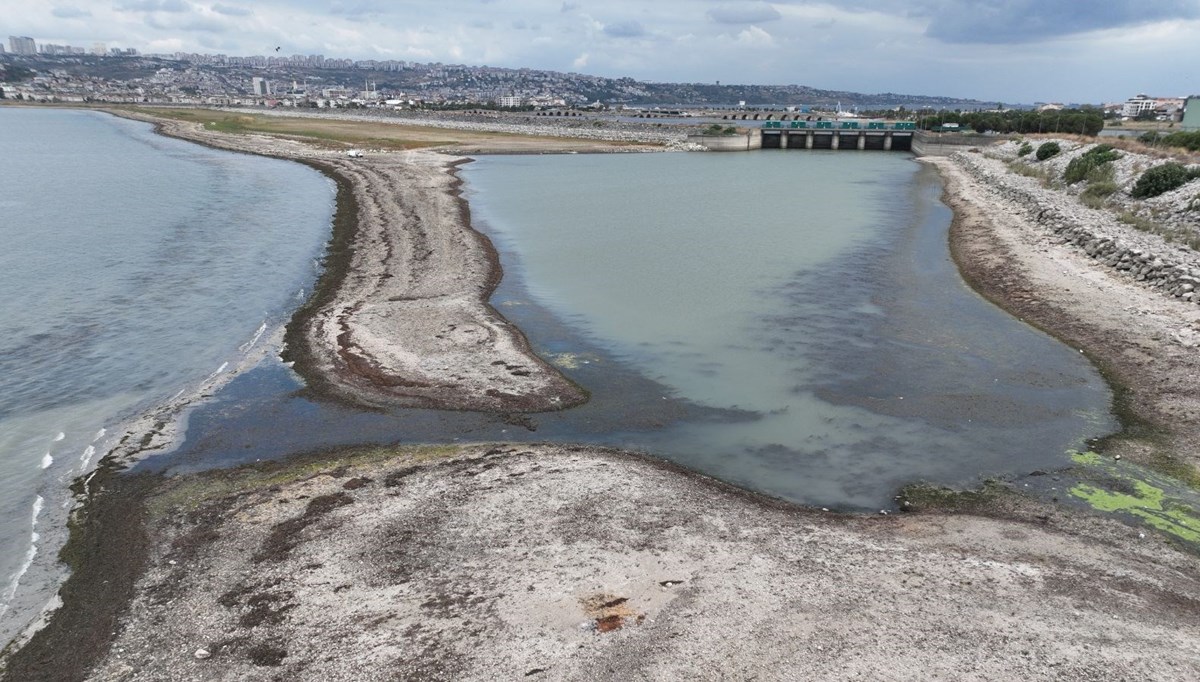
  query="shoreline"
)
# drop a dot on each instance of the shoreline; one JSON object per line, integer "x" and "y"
{"x": 694, "y": 605}
{"x": 401, "y": 315}
{"x": 1129, "y": 331}
{"x": 495, "y": 561}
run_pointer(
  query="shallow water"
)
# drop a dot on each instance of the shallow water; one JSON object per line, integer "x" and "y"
{"x": 789, "y": 321}
{"x": 133, "y": 267}
{"x": 814, "y": 289}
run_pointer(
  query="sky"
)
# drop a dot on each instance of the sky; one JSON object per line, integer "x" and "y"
{"x": 1012, "y": 51}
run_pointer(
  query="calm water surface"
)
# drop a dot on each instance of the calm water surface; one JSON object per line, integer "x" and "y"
{"x": 790, "y": 321}
{"x": 132, "y": 267}
{"x": 814, "y": 290}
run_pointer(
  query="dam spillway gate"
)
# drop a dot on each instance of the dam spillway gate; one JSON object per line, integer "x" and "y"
{"x": 900, "y": 136}
{"x": 827, "y": 138}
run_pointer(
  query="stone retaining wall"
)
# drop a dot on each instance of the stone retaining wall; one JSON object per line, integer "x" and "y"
{"x": 1172, "y": 269}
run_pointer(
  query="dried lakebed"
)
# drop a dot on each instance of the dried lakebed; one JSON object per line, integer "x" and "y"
{"x": 572, "y": 563}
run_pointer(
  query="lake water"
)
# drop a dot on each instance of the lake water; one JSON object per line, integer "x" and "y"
{"x": 811, "y": 289}
{"x": 786, "y": 320}
{"x": 133, "y": 267}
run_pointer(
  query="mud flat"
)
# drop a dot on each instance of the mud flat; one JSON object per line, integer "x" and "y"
{"x": 401, "y": 316}
{"x": 559, "y": 562}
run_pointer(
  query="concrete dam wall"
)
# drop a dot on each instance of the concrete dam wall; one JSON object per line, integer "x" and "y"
{"x": 918, "y": 142}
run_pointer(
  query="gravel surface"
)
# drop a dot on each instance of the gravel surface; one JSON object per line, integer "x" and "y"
{"x": 403, "y": 317}
{"x": 1175, "y": 213}
{"x": 570, "y": 563}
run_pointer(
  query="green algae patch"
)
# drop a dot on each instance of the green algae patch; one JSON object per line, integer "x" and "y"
{"x": 1160, "y": 502}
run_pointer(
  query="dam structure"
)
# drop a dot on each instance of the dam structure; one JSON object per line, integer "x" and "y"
{"x": 870, "y": 135}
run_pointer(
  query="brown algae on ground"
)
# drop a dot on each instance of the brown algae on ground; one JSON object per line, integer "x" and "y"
{"x": 192, "y": 492}
{"x": 1142, "y": 494}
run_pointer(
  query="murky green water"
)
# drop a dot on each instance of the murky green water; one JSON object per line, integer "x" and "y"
{"x": 789, "y": 321}
{"x": 812, "y": 289}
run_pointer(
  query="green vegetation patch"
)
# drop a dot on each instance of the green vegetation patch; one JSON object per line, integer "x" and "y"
{"x": 1101, "y": 189}
{"x": 1047, "y": 150}
{"x": 1183, "y": 139}
{"x": 192, "y": 492}
{"x": 1162, "y": 179}
{"x": 1130, "y": 489}
{"x": 1030, "y": 171}
{"x": 918, "y": 497}
{"x": 1085, "y": 121}
{"x": 1025, "y": 149}
{"x": 366, "y": 134}
{"x": 1084, "y": 164}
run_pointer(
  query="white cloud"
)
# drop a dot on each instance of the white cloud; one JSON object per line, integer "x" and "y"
{"x": 230, "y": 10}
{"x": 625, "y": 29}
{"x": 744, "y": 13}
{"x": 920, "y": 46}
{"x": 754, "y": 36}
{"x": 153, "y": 6}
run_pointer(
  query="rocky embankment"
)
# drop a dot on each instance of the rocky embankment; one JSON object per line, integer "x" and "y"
{"x": 600, "y": 129}
{"x": 1124, "y": 297}
{"x": 1171, "y": 268}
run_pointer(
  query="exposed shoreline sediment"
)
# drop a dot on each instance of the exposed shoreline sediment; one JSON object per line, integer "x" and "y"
{"x": 567, "y": 562}
{"x": 401, "y": 316}
{"x": 1143, "y": 339}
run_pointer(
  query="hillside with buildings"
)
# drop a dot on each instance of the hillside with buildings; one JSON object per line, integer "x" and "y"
{"x": 99, "y": 73}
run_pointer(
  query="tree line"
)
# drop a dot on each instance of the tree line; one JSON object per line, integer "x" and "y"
{"x": 1085, "y": 121}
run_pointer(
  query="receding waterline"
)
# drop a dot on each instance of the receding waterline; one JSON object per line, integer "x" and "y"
{"x": 133, "y": 266}
{"x": 788, "y": 322}
{"x": 813, "y": 290}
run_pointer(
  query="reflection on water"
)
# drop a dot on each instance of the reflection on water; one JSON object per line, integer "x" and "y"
{"x": 789, "y": 321}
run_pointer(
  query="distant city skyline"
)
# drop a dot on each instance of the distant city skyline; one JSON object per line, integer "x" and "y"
{"x": 1021, "y": 51}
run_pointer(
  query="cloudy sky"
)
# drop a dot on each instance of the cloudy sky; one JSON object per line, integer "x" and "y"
{"x": 1006, "y": 50}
